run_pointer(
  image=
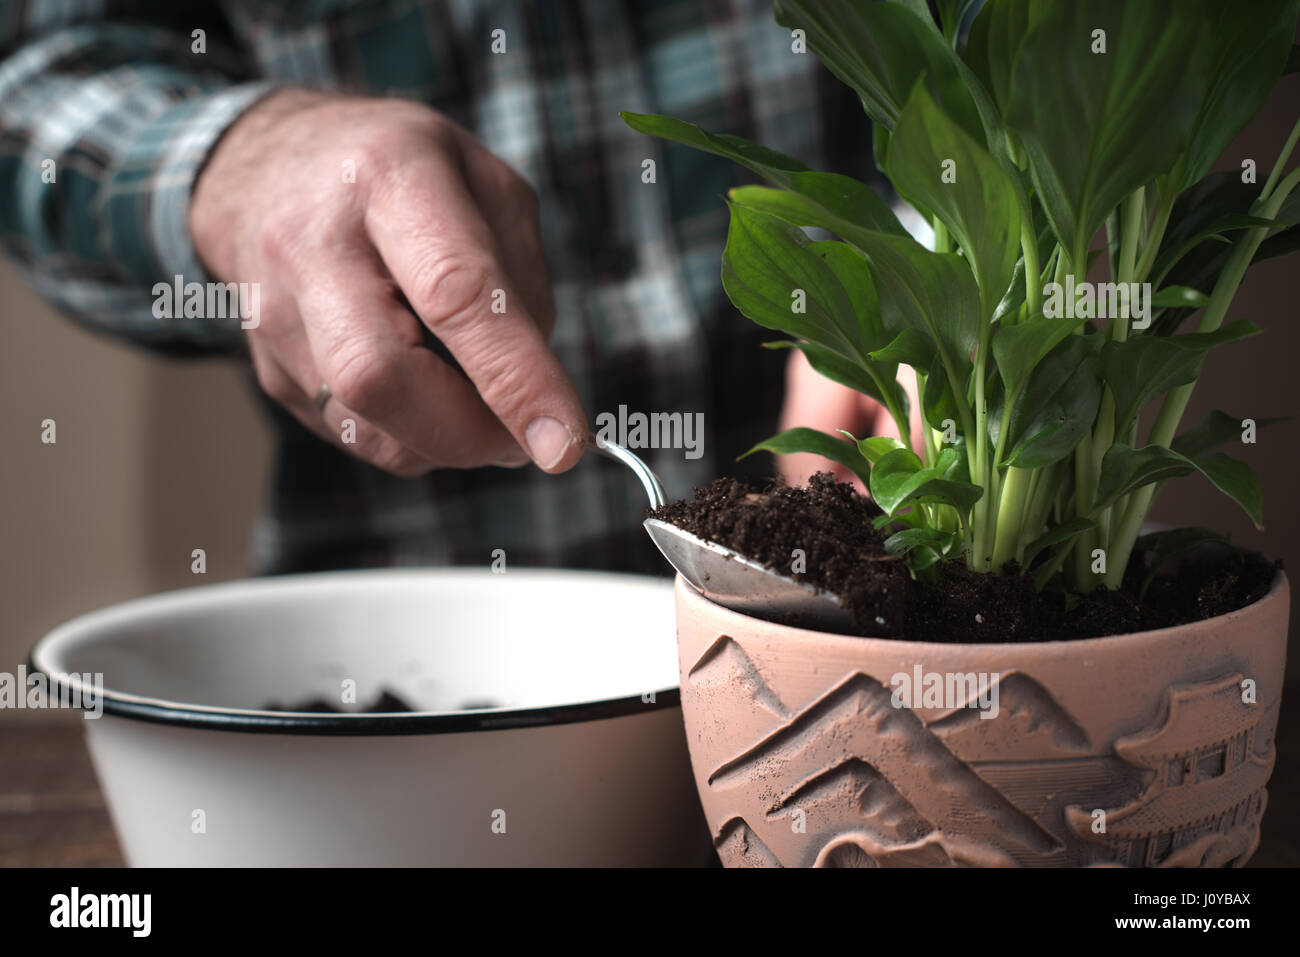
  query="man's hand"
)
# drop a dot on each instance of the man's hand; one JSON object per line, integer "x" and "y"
{"x": 432, "y": 219}
{"x": 815, "y": 402}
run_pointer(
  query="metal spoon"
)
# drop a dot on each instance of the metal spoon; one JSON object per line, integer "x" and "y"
{"x": 723, "y": 575}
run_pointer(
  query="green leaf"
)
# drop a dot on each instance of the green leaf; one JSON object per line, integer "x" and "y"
{"x": 1180, "y": 297}
{"x": 1213, "y": 430}
{"x": 847, "y": 372}
{"x": 1218, "y": 198}
{"x": 978, "y": 205}
{"x": 801, "y": 210}
{"x": 840, "y": 196}
{"x": 1236, "y": 480}
{"x": 1146, "y": 366}
{"x": 931, "y": 292}
{"x": 912, "y": 519}
{"x": 819, "y": 443}
{"x": 881, "y": 50}
{"x": 900, "y": 543}
{"x": 922, "y": 558}
{"x": 1056, "y": 535}
{"x": 1124, "y": 469}
{"x": 766, "y": 261}
{"x": 939, "y": 402}
{"x": 1165, "y": 546}
{"x": 854, "y": 275}
{"x": 770, "y": 272}
{"x": 1015, "y": 295}
{"x": 875, "y": 448}
{"x": 1018, "y": 349}
{"x": 1056, "y": 406}
{"x": 1170, "y": 255}
{"x": 1251, "y": 40}
{"x": 1096, "y": 126}
{"x": 910, "y": 347}
{"x": 922, "y": 10}
{"x": 951, "y": 14}
{"x": 996, "y": 38}
{"x": 901, "y": 477}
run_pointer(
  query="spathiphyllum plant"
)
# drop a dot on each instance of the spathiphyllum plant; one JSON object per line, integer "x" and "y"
{"x": 1060, "y": 141}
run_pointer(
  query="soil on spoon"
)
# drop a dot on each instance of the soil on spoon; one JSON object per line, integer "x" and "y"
{"x": 831, "y": 523}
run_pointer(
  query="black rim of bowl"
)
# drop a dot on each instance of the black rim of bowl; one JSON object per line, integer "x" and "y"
{"x": 354, "y": 724}
{"x": 364, "y": 725}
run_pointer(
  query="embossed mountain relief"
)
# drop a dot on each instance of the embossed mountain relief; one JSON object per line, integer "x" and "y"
{"x": 726, "y": 672}
{"x": 919, "y": 784}
{"x": 738, "y": 846}
{"x": 1030, "y": 724}
{"x": 725, "y": 663}
{"x": 855, "y": 784}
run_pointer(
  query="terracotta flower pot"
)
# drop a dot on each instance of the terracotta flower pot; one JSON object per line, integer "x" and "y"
{"x": 1151, "y": 749}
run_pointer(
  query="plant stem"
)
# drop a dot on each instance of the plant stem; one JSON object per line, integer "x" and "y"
{"x": 1131, "y": 236}
{"x": 1285, "y": 155}
{"x": 1048, "y": 569}
{"x": 1154, "y": 239}
{"x": 901, "y": 421}
{"x": 1103, "y": 436}
{"x": 1011, "y": 511}
{"x": 1037, "y": 478}
{"x": 941, "y": 241}
{"x": 1046, "y": 489}
{"x": 927, "y": 431}
{"x": 1086, "y": 540}
{"x": 1033, "y": 281}
{"x": 982, "y": 554}
{"x": 1102, "y": 439}
{"x": 1175, "y": 404}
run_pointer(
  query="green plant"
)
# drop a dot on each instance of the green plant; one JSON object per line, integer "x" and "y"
{"x": 1058, "y": 120}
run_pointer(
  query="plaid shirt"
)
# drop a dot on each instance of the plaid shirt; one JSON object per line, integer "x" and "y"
{"x": 116, "y": 95}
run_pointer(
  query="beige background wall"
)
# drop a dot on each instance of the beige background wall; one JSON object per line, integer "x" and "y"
{"x": 155, "y": 458}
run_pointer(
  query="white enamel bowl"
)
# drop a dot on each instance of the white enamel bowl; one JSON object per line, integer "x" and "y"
{"x": 549, "y": 729}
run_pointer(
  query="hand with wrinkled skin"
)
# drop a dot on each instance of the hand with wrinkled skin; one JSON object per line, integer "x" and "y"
{"x": 433, "y": 219}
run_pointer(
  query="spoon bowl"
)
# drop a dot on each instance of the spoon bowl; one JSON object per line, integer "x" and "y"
{"x": 723, "y": 575}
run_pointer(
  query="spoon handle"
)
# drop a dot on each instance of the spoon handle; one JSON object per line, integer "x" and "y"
{"x": 654, "y": 489}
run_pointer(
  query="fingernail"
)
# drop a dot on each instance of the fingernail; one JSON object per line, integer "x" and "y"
{"x": 547, "y": 440}
{"x": 513, "y": 458}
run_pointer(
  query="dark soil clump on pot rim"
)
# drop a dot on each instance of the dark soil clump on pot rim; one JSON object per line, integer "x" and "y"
{"x": 831, "y": 522}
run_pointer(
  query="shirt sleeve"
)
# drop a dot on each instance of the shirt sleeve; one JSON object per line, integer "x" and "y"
{"x": 104, "y": 127}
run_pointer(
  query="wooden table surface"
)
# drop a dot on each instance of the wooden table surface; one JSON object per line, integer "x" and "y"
{"x": 52, "y": 813}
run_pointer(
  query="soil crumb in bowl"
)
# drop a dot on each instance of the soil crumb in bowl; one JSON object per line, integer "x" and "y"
{"x": 385, "y": 703}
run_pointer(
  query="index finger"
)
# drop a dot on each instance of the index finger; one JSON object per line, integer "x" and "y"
{"x": 435, "y": 243}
